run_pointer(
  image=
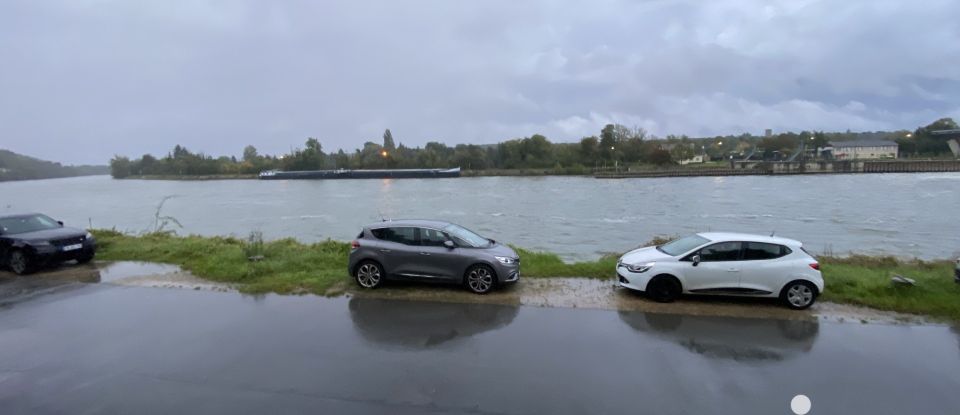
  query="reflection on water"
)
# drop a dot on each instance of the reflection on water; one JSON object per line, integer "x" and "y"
{"x": 423, "y": 325}
{"x": 741, "y": 339}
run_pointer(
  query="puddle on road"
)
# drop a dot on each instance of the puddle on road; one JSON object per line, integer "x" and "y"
{"x": 116, "y": 271}
{"x": 15, "y": 288}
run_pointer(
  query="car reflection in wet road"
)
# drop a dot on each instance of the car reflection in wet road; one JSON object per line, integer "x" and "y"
{"x": 741, "y": 339}
{"x": 107, "y": 348}
{"x": 419, "y": 325}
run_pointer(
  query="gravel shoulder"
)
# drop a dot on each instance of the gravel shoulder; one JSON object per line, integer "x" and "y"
{"x": 535, "y": 292}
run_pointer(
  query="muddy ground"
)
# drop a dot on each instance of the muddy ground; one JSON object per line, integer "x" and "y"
{"x": 537, "y": 292}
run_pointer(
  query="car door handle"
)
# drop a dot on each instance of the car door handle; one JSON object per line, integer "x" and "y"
{"x": 424, "y": 253}
{"x": 386, "y": 251}
{"x": 733, "y": 270}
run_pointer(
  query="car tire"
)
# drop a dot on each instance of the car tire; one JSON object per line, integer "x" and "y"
{"x": 799, "y": 295}
{"x": 664, "y": 289}
{"x": 369, "y": 274}
{"x": 19, "y": 262}
{"x": 480, "y": 279}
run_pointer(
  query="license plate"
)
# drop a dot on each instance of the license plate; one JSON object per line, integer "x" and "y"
{"x": 73, "y": 247}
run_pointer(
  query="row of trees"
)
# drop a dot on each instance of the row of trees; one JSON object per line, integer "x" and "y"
{"x": 616, "y": 145}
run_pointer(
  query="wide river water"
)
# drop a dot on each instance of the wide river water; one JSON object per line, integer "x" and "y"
{"x": 577, "y": 217}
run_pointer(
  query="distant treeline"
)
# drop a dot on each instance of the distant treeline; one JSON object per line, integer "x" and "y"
{"x": 616, "y": 145}
{"x": 15, "y": 166}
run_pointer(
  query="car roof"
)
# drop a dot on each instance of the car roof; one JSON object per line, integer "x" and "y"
{"x": 426, "y": 223}
{"x": 746, "y": 237}
{"x": 20, "y": 215}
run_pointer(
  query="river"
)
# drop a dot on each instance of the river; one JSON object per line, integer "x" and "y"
{"x": 577, "y": 217}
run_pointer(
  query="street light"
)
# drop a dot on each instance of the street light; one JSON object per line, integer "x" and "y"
{"x": 383, "y": 153}
{"x": 909, "y": 135}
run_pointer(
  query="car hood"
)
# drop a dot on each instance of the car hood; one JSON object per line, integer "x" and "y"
{"x": 502, "y": 250}
{"x": 49, "y": 234}
{"x": 642, "y": 255}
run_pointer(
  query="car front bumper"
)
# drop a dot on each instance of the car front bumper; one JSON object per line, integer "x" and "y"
{"x": 50, "y": 254}
{"x": 631, "y": 280}
{"x": 507, "y": 274}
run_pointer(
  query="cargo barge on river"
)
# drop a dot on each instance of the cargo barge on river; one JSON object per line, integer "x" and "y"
{"x": 361, "y": 174}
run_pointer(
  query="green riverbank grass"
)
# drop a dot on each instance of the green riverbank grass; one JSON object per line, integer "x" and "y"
{"x": 293, "y": 267}
{"x": 865, "y": 281}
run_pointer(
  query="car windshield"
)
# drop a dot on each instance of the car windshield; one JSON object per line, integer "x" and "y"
{"x": 682, "y": 245}
{"x": 466, "y": 237}
{"x": 24, "y": 224}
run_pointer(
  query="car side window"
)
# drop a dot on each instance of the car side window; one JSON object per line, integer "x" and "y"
{"x": 431, "y": 237}
{"x": 402, "y": 235}
{"x": 723, "y": 251}
{"x": 379, "y": 233}
{"x": 761, "y": 251}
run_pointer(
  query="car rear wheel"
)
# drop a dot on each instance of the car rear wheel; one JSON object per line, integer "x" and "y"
{"x": 369, "y": 274}
{"x": 799, "y": 295}
{"x": 480, "y": 279}
{"x": 664, "y": 289}
{"x": 19, "y": 262}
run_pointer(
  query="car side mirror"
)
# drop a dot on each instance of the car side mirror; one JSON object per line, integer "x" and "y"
{"x": 695, "y": 259}
{"x": 60, "y": 222}
{"x": 449, "y": 244}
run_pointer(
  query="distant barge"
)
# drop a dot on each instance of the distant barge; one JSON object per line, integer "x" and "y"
{"x": 361, "y": 174}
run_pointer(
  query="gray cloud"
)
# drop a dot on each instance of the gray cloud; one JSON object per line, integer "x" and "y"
{"x": 82, "y": 80}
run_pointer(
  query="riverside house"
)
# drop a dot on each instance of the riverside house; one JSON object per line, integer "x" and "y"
{"x": 864, "y": 149}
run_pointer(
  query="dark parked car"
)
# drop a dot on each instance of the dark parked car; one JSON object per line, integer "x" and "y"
{"x": 31, "y": 241}
{"x": 427, "y": 250}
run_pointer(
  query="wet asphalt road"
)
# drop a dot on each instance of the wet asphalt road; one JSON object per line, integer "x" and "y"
{"x": 98, "y": 348}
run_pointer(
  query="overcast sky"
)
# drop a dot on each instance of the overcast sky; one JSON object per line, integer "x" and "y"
{"x": 81, "y": 80}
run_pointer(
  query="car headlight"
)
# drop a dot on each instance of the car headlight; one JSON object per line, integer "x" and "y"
{"x": 506, "y": 260}
{"x": 89, "y": 235}
{"x": 638, "y": 268}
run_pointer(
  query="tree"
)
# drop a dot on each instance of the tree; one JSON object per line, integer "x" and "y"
{"x": 119, "y": 167}
{"x": 250, "y": 154}
{"x": 589, "y": 150}
{"x": 682, "y": 151}
{"x": 388, "y": 141}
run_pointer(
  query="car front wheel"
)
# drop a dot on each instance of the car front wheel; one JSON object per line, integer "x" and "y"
{"x": 480, "y": 279}
{"x": 85, "y": 257}
{"x": 664, "y": 289}
{"x": 19, "y": 262}
{"x": 799, "y": 295}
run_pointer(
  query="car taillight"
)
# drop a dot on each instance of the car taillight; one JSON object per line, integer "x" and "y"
{"x": 815, "y": 266}
{"x": 355, "y": 244}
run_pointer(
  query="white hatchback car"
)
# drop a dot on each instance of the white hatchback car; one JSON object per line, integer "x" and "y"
{"x": 724, "y": 263}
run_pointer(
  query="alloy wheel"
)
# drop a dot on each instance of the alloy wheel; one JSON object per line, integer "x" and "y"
{"x": 480, "y": 279}
{"x": 368, "y": 275}
{"x": 18, "y": 262}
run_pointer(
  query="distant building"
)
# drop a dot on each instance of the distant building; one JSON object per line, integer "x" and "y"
{"x": 863, "y": 149}
{"x": 699, "y": 158}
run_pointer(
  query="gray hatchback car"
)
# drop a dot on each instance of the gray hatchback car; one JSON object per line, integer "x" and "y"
{"x": 428, "y": 250}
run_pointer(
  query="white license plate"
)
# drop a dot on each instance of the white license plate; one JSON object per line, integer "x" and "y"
{"x": 73, "y": 247}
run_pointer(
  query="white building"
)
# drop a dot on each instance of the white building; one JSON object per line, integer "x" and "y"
{"x": 864, "y": 149}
